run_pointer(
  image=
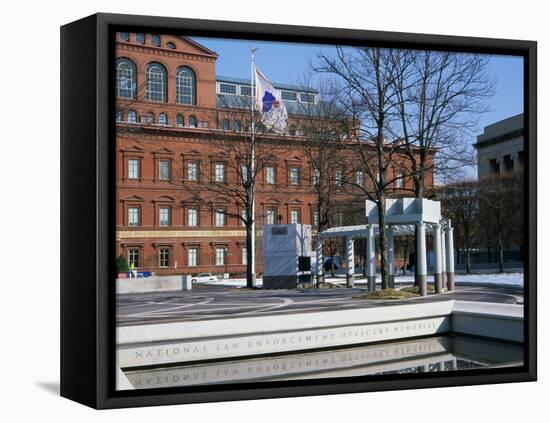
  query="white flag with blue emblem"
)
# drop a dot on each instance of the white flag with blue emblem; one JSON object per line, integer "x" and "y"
{"x": 269, "y": 104}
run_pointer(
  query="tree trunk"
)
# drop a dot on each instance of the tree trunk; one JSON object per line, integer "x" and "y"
{"x": 365, "y": 258}
{"x": 249, "y": 276}
{"x": 500, "y": 255}
{"x": 384, "y": 265}
{"x": 332, "y": 273}
{"x": 419, "y": 188}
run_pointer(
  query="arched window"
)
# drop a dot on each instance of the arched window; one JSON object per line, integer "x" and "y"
{"x": 192, "y": 121}
{"x": 118, "y": 116}
{"x": 185, "y": 86}
{"x": 132, "y": 116}
{"x": 156, "y": 82}
{"x": 292, "y": 130}
{"x": 155, "y": 40}
{"x": 125, "y": 78}
{"x": 140, "y": 38}
{"x": 225, "y": 124}
{"x": 149, "y": 117}
{"x": 163, "y": 119}
{"x": 170, "y": 45}
{"x": 179, "y": 120}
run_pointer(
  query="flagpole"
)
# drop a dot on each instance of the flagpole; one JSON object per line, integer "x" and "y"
{"x": 252, "y": 175}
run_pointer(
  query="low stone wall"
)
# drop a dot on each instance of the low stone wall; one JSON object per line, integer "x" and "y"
{"x": 151, "y": 284}
{"x": 490, "y": 320}
{"x": 180, "y": 342}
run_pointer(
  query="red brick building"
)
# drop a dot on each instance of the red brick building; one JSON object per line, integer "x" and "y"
{"x": 171, "y": 107}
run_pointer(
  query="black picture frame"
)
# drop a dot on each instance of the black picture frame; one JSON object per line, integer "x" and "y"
{"x": 88, "y": 225}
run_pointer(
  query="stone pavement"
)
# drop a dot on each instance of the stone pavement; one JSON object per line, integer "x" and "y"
{"x": 215, "y": 302}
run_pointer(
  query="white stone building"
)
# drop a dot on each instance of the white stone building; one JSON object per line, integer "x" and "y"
{"x": 500, "y": 147}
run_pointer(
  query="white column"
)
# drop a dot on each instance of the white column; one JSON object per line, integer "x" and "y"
{"x": 371, "y": 263}
{"x": 319, "y": 260}
{"x": 438, "y": 283}
{"x": 421, "y": 259}
{"x": 391, "y": 255}
{"x": 443, "y": 258}
{"x": 450, "y": 257}
{"x": 349, "y": 262}
{"x": 517, "y": 164}
{"x": 501, "y": 170}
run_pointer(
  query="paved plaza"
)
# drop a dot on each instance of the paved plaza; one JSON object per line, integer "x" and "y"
{"x": 215, "y": 302}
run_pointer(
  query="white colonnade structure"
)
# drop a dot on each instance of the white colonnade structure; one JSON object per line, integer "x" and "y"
{"x": 404, "y": 216}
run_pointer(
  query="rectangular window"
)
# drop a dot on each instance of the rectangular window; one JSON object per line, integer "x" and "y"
{"x": 193, "y": 217}
{"x": 219, "y": 172}
{"x": 288, "y": 95}
{"x": 246, "y": 90}
{"x": 270, "y": 216}
{"x": 164, "y": 170}
{"x": 307, "y": 98}
{"x": 360, "y": 178}
{"x": 164, "y": 216}
{"x": 220, "y": 256}
{"x": 338, "y": 176}
{"x": 295, "y": 216}
{"x": 193, "y": 257}
{"x": 316, "y": 176}
{"x": 270, "y": 175}
{"x": 244, "y": 173}
{"x": 133, "y": 168}
{"x": 243, "y": 215}
{"x": 220, "y": 217}
{"x": 244, "y": 258}
{"x": 192, "y": 171}
{"x": 132, "y": 116}
{"x": 164, "y": 257}
{"x": 133, "y": 216}
{"x": 228, "y": 89}
{"x": 294, "y": 175}
{"x": 399, "y": 180}
{"x": 133, "y": 257}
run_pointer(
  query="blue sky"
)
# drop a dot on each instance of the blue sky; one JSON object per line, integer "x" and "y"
{"x": 287, "y": 63}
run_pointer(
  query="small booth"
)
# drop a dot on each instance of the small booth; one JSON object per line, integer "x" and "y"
{"x": 287, "y": 256}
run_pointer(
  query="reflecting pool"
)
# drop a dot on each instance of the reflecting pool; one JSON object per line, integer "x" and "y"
{"x": 433, "y": 354}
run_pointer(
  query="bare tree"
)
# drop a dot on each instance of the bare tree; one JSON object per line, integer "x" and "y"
{"x": 242, "y": 159}
{"x": 501, "y": 210}
{"x": 439, "y": 98}
{"x": 369, "y": 97}
{"x": 460, "y": 201}
{"x": 320, "y": 126}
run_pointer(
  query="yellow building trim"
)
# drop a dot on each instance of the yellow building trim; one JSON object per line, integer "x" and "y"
{"x": 241, "y": 233}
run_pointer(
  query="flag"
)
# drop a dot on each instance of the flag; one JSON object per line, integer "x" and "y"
{"x": 268, "y": 102}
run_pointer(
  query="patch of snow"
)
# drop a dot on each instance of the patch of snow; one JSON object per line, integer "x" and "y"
{"x": 509, "y": 279}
